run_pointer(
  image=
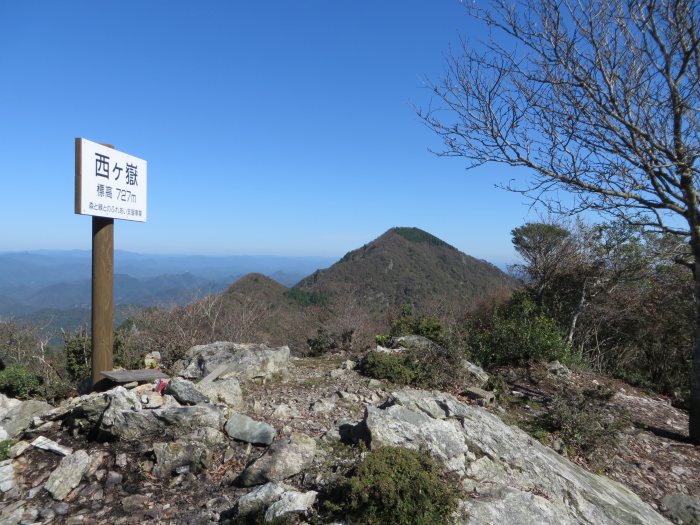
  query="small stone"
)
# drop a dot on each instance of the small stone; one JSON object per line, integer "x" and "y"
{"x": 283, "y": 459}
{"x": 19, "y": 448}
{"x": 170, "y": 456}
{"x": 291, "y": 502}
{"x": 12, "y": 514}
{"x": 96, "y": 459}
{"x": 227, "y": 391}
{"x": 61, "y": 508}
{"x": 476, "y": 376}
{"x": 134, "y": 503}
{"x": 7, "y": 476}
{"x": 120, "y": 460}
{"x": 349, "y": 396}
{"x": 30, "y": 514}
{"x": 152, "y": 360}
{"x": 45, "y": 443}
{"x": 482, "y": 397}
{"x": 113, "y": 478}
{"x": 559, "y": 446}
{"x": 375, "y": 384}
{"x": 243, "y": 428}
{"x": 68, "y": 474}
{"x": 557, "y": 369}
{"x": 322, "y": 406}
{"x": 284, "y": 411}
{"x": 185, "y": 392}
{"x": 259, "y": 498}
{"x": 47, "y": 514}
{"x": 348, "y": 365}
{"x": 229, "y": 454}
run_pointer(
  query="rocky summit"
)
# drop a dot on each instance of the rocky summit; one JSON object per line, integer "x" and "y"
{"x": 248, "y": 434}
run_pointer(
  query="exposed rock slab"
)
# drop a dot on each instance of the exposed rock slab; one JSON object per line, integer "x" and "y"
{"x": 283, "y": 459}
{"x": 242, "y": 360}
{"x": 68, "y": 474}
{"x": 515, "y": 480}
{"x": 398, "y": 426}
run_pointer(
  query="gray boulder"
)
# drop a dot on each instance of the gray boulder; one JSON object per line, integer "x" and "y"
{"x": 68, "y": 474}
{"x": 291, "y": 502}
{"x": 475, "y": 375}
{"x": 240, "y": 360}
{"x": 283, "y": 459}
{"x": 16, "y": 415}
{"x": 118, "y": 413}
{"x": 683, "y": 508}
{"x": 515, "y": 480}
{"x": 185, "y": 392}
{"x": 226, "y": 390}
{"x": 193, "y": 455}
{"x": 181, "y": 420}
{"x": 243, "y": 428}
{"x": 259, "y": 499}
{"x": 414, "y": 342}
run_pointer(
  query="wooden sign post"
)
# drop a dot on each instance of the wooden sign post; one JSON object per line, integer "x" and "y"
{"x": 102, "y": 296}
{"x": 109, "y": 185}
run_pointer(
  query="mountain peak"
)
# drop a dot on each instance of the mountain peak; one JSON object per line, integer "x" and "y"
{"x": 406, "y": 265}
{"x": 413, "y": 234}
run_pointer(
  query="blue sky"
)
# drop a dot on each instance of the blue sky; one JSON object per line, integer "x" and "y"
{"x": 271, "y": 127}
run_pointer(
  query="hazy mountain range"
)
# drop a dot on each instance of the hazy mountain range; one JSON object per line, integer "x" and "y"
{"x": 55, "y": 285}
{"x": 368, "y": 285}
{"x": 52, "y": 289}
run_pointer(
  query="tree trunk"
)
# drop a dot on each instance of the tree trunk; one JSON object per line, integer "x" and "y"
{"x": 694, "y": 425}
{"x": 577, "y": 313}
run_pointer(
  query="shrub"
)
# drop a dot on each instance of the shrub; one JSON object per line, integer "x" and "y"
{"x": 128, "y": 353}
{"x": 78, "y": 350}
{"x": 434, "y": 367}
{"x": 407, "y": 323}
{"x": 320, "y": 344}
{"x": 394, "y": 486}
{"x": 586, "y": 422}
{"x": 397, "y": 368}
{"x": 5, "y": 446}
{"x": 517, "y": 334}
{"x": 17, "y": 381}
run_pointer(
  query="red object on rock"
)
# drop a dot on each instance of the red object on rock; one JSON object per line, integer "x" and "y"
{"x": 160, "y": 386}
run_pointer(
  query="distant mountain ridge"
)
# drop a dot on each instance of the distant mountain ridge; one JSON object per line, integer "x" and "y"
{"x": 402, "y": 266}
{"x": 407, "y": 265}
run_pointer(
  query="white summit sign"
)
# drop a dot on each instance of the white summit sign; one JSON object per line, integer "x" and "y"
{"x": 109, "y": 183}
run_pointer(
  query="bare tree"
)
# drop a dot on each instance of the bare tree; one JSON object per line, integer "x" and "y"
{"x": 599, "y": 99}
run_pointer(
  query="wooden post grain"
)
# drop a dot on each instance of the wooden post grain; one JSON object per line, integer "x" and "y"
{"x": 102, "y": 296}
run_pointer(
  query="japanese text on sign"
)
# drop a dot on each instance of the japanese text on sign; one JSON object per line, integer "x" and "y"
{"x": 109, "y": 183}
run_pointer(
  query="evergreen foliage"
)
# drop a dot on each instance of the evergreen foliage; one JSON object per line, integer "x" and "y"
{"x": 394, "y": 486}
